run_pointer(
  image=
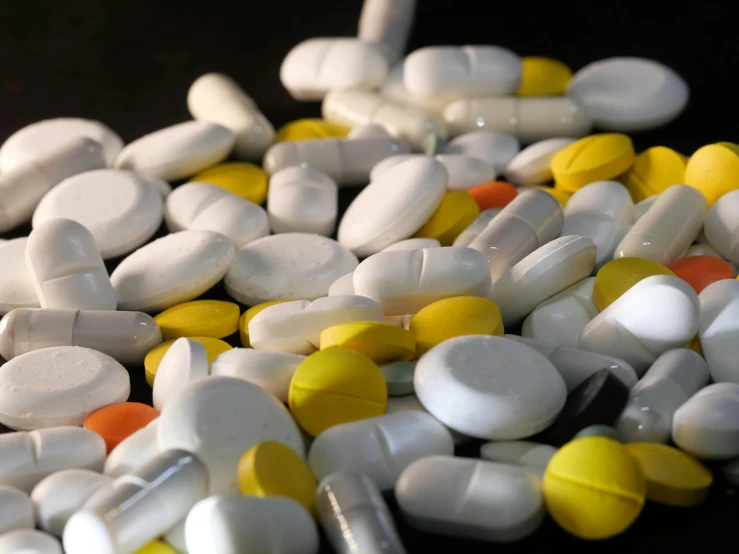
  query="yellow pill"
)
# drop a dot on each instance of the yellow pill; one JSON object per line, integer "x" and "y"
{"x": 248, "y": 315}
{"x": 272, "y": 469}
{"x": 309, "y": 129}
{"x": 561, "y": 196}
{"x": 673, "y": 477}
{"x": 593, "y": 488}
{"x": 731, "y": 146}
{"x": 619, "y": 275}
{"x": 543, "y": 77}
{"x": 695, "y": 345}
{"x": 213, "y": 348}
{"x": 335, "y": 386}
{"x": 156, "y": 547}
{"x": 200, "y": 318}
{"x": 714, "y": 170}
{"x": 454, "y": 317}
{"x": 653, "y": 171}
{"x": 240, "y": 178}
{"x": 455, "y": 213}
{"x": 381, "y": 342}
{"x": 594, "y": 158}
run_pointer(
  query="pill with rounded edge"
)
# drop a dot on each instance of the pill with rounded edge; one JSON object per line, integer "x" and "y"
{"x": 16, "y": 510}
{"x": 133, "y": 451}
{"x": 387, "y": 23}
{"x": 29, "y": 541}
{"x": 302, "y": 200}
{"x": 721, "y": 226}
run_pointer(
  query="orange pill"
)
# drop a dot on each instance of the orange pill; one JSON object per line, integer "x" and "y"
{"x": 493, "y": 195}
{"x": 701, "y": 271}
{"x": 115, "y": 422}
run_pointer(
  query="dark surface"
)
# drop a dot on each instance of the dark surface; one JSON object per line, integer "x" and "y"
{"x": 130, "y": 64}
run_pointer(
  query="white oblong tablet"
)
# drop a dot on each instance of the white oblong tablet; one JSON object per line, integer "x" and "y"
{"x": 495, "y": 149}
{"x": 412, "y": 244}
{"x": 529, "y": 455}
{"x": 489, "y": 387}
{"x": 16, "y": 287}
{"x": 302, "y": 200}
{"x": 29, "y": 541}
{"x": 119, "y": 208}
{"x": 16, "y": 510}
{"x": 184, "y": 361}
{"x": 133, "y": 451}
{"x": 629, "y": 94}
{"x": 722, "y": 226}
{"x": 39, "y": 139}
{"x": 289, "y": 266}
{"x": 220, "y": 418}
{"x": 178, "y": 151}
{"x": 531, "y": 166}
{"x": 171, "y": 270}
{"x": 719, "y": 329}
{"x": 465, "y": 171}
{"x": 390, "y": 162}
{"x": 342, "y": 285}
{"x": 59, "y": 385}
{"x": 393, "y": 206}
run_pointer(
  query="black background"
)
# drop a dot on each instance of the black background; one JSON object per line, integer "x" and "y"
{"x": 129, "y": 64}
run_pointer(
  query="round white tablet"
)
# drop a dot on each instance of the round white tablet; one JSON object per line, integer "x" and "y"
{"x": 171, "y": 270}
{"x": 289, "y": 266}
{"x": 219, "y": 419}
{"x": 16, "y": 288}
{"x": 29, "y": 541}
{"x": 489, "y": 387}
{"x": 120, "y": 209}
{"x": 16, "y": 510}
{"x": 629, "y": 94}
{"x": 495, "y": 149}
{"x": 185, "y": 361}
{"x": 38, "y": 139}
{"x": 58, "y": 386}
{"x": 531, "y": 166}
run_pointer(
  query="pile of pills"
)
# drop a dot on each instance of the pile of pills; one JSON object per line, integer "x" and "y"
{"x": 504, "y": 282}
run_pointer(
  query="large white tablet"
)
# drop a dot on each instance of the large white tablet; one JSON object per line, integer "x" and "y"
{"x": 463, "y": 171}
{"x": 186, "y": 360}
{"x": 16, "y": 287}
{"x": 302, "y": 200}
{"x": 531, "y": 166}
{"x": 495, "y": 149}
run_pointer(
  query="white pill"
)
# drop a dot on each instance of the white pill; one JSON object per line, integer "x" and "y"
{"x": 16, "y": 510}
{"x": 302, "y": 200}
{"x": 394, "y": 89}
{"x": 470, "y": 498}
{"x": 178, "y": 151}
{"x": 531, "y": 456}
{"x": 289, "y": 266}
{"x": 655, "y": 315}
{"x": 458, "y": 382}
{"x": 16, "y": 287}
{"x": 393, "y": 206}
{"x": 463, "y": 171}
{"x": 528, "y": 119}
{"x": 629, "y": 94}
{"x": 455, "y": 71}
{"x": 495, "y": 149}
{"x": 119, "y": 208}
{"x": 466, "y": 237}
{"x": 410, "y": 402}
{"x": 133, "y": 451}
{"x": 29, "y": 541}
{"x": 387, "y": 23}
{"x": 719, "y": 328}
{"x": 405, "y": 281}
{"x": 640, "y": 208}
{"x": 721, "y": 226}
{"x": 318, "y": 65}
{"x": 250, "y": 525}
{"x": 185, "y": 361}
{"x": 368, "y": 130}
{"x": 171, "y": 270}
{"x": 219, "y": 99}
{"x": 412, "y": 244}
{"x": 26, "y": 458}
{"x": 342, "y": 285}
{"x": 206, "y": 207}
{"x": 666, "y": 231}
{"x": 63, "y": 493}
{"x": 175, "y": 537}
{"x": 531, "y": 166}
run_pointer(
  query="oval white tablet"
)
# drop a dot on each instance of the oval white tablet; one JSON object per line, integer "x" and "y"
{"x": 495, "y": 149}
{"x": 16, "y": 510}
{"x": 342, "y": 285}
{"x": 16, "y": 287}
{"x": 29, "y": 541}
{"x": 465, "y": 171}
{"x": 302, "y": 200}
{"x": 133, "y": 451}
{"x": 186, "y": 360}
{"x": 412, "y": 244}
{"x": 531, "y": 166}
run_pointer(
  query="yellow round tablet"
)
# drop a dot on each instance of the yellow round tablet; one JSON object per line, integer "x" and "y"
{"x": 199, "y": 318}
{"x": 454, "y": 317}
{"x": 714, "y": 170}
{"x": 309, "y": 129}
{"x": 156, "y": 547}
{"x": 654, "y": 170}
{"x": 272, "y": 469}
{"x": 673, "y": 477}
{"x": 543, "y": 77}
{"x": 381, "y": 342}
{"x": 248, "y": 315}
{"x": 594, "y": 158}
{"x": 334, "y": 386}
{"x": 619, "y": 275}
{"x": 593, "y": 488}
{"x": 455, "y": 213}
{"x": 213, "y": 348}
{"x": 561, "y": 196}
{"x": 240, "y": 178}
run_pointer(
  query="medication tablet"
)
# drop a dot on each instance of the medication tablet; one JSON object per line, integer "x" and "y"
{"x": 343, "y": 285}
{"x": 470, "y": 498}
{"x": 29, "y": 541}
{"x": 619, "y": 275}
{"x": 594, "y": 158}
{"x": 156, "y": 547}
{"x": 531, "y": 456}
{"x": 593, "y": 488}
{"x": 605, "y": 431}
{"x": 713, "y": 170}
{"x": 543, "y": 77}
{"x": 116, "y": 422}
{"x": 199, "y": 318}
{"x": 718, "y": 330}
{"x": 463, "y": 171}
{"x": 133, "y": 451}
{"x": 171, "y": 270}
{"x": 246, "y": 180}
{"x": 394, "y": 89}
{"x": 178, "y": 151}
{"x": 309, "y": 129}
{"x": 532, "y": 165}
{"x": 119, "y": 208}
{"x": 387, "y": 23}
{"x": 629, "y": 94}
{"x": 458, "y": 381}
{"x": 701, "y": 271}
{"x": 334, "y": 386}
{"x": 496, "y": 195}
{"x": 411, "y": 244}
{"x": 455, "y": 213}
{"x": 289, "y": 266}
{"x": 185, "y": 361}
{"x": 368, "y": 130}
{"x": 720, "y": 227}
{"x": 495, "y": 149}
{"x": 59, "y": 385}
{"x": 302, "y": 199}
{"x": 66, "y": 268}
{"x": 213, "y": 348}
{"x": 16, "y": 510}
{"x": 399, "y": 377}
{"x": 476, "y": 227}
{"x": 654, "y": 170}
{"x": 16, "y": 287}
{"x": 249, "y": 314}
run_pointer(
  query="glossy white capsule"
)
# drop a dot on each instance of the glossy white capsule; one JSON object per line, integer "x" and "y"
{"x": 133, "y": 451}
{"x": 387, "y": 23}
{"x": 302, "y": 200}
{"x": 476, "y": 227}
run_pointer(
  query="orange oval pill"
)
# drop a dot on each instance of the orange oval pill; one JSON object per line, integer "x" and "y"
{"x": 115, "y": 422}
{"x": 701, "y": 271}
{"x": 493, "y": 195}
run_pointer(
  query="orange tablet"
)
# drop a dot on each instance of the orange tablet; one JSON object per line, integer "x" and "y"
{"x": 493, "y": 195}
{"x": 115, "y": 422}
{"x": 701, "y": 271}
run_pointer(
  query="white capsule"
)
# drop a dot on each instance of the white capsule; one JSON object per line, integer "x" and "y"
{"x": 388, "y": 23}
{"x": 531, "y": 166}
{"x": 302, "y": 200}
{"x": 719, "y": 328}
{"x": 722, "y": 226}
{"x": 531, "y": 456}
{"x": 16, "y": 510}
{"x": 640, "y": 208}
{"x": 133, "y": 451}
{"x": 495, "y": 149}
{"x": 480, "y": 223}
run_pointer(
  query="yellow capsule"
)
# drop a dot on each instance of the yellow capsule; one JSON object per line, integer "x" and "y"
{"x": 543, "y": 77}
{"x": 248, "y": 315}
{"x": 381, "y": 342}
{"x": 455, "y": 213}
{"x": 156, "y": 547}
{"x": 619, "y": 275}
{"x": 309, "y": 129}
{"x": 199, "y": 318}
{"x": 213, "y": 348}
{"x": 653, "y": 171}
{"x": 594, "y": 158}
{"x": 714, "y": 170}
{"x": 240, "y": 178}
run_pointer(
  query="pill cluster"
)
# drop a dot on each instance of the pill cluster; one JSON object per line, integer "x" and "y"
{"x": 582, "y": 332}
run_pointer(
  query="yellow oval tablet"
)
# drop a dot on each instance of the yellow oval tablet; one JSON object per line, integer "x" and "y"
{"x": 561, "y": 196}
{"x": 455, "y": 213}
{"x": 248, "y": 315}
{"x": 213, "y": 348}
{"x": 272, "y": 469}
{"x": 593, "y": 488}
{"x": 199, "y": 318}
{"x": 713, "y": 170}
{"x": 309, "y": 129}
{"x": 240, "y": 178}
{"x": 543, "y": 77}
{"x": 653, "y": 171}
{"x": 334, "y": 386}
{"x": 156, "y": 547}
{"x": 381, "y": 342}
{"x": 454, "y": 317}
{"x": 619, "y": 275}
{"x": 594, "y": 158}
